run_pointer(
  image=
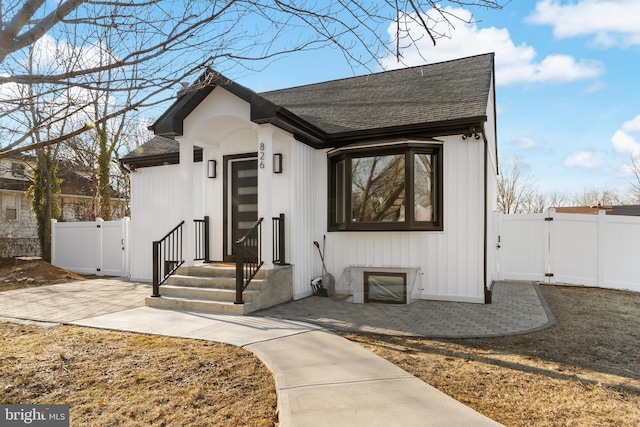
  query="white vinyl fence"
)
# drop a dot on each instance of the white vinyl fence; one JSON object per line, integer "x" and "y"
{"x": 579, "y": 249}
{"x": 98, "y": 247}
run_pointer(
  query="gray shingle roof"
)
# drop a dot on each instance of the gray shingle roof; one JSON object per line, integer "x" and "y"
{"x": 159, "y": 150}
{"x": 434, "y": 97}
{"x": 158, "y": 145}
{"x": 452, "y": 90}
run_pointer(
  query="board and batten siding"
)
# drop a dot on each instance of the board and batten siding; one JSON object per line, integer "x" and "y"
{"x": 153, "y": 212}
{"x": 492, "y": 186}
{"x": 307, "y": 218}
{"x": 450, "y": 262}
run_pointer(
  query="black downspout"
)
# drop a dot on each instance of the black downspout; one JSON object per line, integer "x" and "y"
{"x": 487, "y": 291}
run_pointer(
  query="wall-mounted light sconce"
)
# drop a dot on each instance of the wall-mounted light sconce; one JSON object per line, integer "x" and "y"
{"x": 277, "y": 163}
{"x": 211, "y": 168}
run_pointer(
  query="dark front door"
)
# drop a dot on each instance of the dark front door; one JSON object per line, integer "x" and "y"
{"x": 242, "y": 202}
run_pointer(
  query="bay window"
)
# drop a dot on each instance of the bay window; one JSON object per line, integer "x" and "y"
{"x": 389, "y": 187}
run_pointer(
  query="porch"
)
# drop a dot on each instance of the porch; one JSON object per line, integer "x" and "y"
{"x": 221, "y": 287}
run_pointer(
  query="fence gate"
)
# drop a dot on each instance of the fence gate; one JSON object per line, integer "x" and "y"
{"x": 580, "y": 249}
{"x": 98, "y": 247}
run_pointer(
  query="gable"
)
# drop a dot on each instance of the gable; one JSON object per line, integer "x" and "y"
{"x": 430, "y": 100}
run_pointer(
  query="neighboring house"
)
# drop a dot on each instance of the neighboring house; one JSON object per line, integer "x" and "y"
{"x": 397, "y": 169}
{"x": 18, "y": 229}
{"x": 626, "y": 210}
{"x": 18, "y": 232}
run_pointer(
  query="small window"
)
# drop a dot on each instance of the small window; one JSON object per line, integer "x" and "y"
{"x": 11, "y": 205}
{"x": 18, "y": 169}
{"x": 389, "y": 288}
{"x": 11, "y": 214}
{"x": 386, "y": 188}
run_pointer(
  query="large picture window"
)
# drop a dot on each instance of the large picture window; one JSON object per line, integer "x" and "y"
{"x": 395, "y": 187}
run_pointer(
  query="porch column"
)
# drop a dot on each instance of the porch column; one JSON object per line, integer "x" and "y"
{"x": 265, "y": 180}
{"x": 186, "y": 199}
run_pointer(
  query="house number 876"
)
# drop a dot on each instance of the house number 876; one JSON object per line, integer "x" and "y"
{"x": 262, "y": 155}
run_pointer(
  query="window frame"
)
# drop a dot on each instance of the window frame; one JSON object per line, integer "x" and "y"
{"x": 18, "y": 170}
{"x": 409, "y": 149}
{"x": 11, "y": 203}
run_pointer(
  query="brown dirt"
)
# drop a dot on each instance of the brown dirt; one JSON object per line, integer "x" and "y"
{"x": 27, "y": 274}
{"x": 585, "y": 370}
{"x": 113, "y": 378}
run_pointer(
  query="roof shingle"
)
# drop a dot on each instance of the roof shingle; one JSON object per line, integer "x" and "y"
{"x": 432, "y": 93}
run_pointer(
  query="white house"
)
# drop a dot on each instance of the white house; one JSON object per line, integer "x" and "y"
{"x": 397, "y": 169}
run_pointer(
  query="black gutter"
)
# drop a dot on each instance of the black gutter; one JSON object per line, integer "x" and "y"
{"x": 312, "y": 136}
{"x": 487, "y": 291}
{"x": 433, "y": 129}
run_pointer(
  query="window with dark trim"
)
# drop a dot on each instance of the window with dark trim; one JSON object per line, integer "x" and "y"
{"x": 397, "y": 187}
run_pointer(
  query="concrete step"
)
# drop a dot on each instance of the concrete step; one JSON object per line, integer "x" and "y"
{"x": 199, "y": 305}
{"x": 216, "y": 270}
{"x": 209, "y": 294}
{"x": 211, "y": 288}
{"x": 210, "y": 282}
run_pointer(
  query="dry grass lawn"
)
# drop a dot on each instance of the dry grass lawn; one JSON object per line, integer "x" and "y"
{"x": 125, "y": 379}
{"x": 583, "y": 371}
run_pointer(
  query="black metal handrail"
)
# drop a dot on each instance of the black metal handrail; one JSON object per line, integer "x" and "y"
{"x": 167, "y": 257}
{"x": 202, "y": 239}
{"x": 248, "y": 253}
{"x": 278, "y": 240}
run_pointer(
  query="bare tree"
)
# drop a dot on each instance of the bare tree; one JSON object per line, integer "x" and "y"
{"x": 634, "y": 167}
{"x": 598, "y": 197}
{"x": 169, "y": 42}
{"x": 515, "y": 187}
{"x": 378, "y": 188}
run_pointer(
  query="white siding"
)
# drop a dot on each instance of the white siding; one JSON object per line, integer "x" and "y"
{"x": 450, "y": 262}
{"x": 153, "y": 213}
{"x": 492, "y": 188}
{"x": 307, "y": 218}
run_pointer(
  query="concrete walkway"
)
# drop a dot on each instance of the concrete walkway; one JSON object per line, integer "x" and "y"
{"x": 321, "y": 378}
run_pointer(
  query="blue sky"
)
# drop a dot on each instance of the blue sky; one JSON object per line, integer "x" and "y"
{"x": 568, "y": 92}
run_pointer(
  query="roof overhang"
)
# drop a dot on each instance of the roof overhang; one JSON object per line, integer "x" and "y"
{"x": 263, "y": 111}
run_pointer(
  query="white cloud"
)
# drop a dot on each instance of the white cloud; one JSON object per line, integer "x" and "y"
{"x": 525, "y": 143}
{"x": 624, "y": 141}
{"x": 610, "y": 22}
{"x": 56, "y": 56}
{"x": 632, "y": 125}
{"x": 514, "y": 63}
{"x": 595, "y": 87}
{"x": 585, "y": 160}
